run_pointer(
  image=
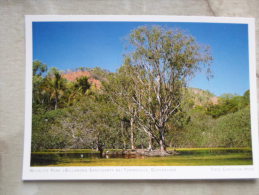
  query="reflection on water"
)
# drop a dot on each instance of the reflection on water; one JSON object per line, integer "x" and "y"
{"x": 213, "y": 151}
{"x": 63, "y": 158}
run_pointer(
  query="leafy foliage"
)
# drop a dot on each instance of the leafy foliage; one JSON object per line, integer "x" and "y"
{"x": 228, "y": 103}
{"x": 145, "y": 104}
{"x": 162, "y": 61}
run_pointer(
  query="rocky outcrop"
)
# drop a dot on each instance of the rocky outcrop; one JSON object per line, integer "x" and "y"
{"x": 72, "y": 76}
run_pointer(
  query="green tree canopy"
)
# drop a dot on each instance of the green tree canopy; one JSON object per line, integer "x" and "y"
{"x": 163, "y": 60}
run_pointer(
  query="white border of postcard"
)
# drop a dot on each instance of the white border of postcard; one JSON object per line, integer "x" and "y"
{"x": 139, "y": 172}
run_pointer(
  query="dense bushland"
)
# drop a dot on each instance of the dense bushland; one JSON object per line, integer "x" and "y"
{"x": 145, "y": 104}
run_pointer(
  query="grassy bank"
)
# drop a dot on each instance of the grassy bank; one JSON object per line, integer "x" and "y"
{"x": 183, "y": 160}
{"x": 186, "y": 157}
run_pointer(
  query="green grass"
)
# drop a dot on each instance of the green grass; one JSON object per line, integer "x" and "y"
{"x": 233, "y": 159}
{"x": 186, "y": 157}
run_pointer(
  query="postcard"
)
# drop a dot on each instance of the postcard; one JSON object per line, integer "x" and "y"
{"x": 140, "y": 97}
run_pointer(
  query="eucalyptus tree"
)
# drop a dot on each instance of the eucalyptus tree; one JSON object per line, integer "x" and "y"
{"x": 163, "y": 61}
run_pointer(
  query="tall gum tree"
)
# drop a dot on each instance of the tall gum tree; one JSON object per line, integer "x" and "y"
{"x": 162, "y": 62}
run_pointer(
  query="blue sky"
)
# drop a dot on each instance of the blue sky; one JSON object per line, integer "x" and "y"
{"x": 68, "y": 45}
